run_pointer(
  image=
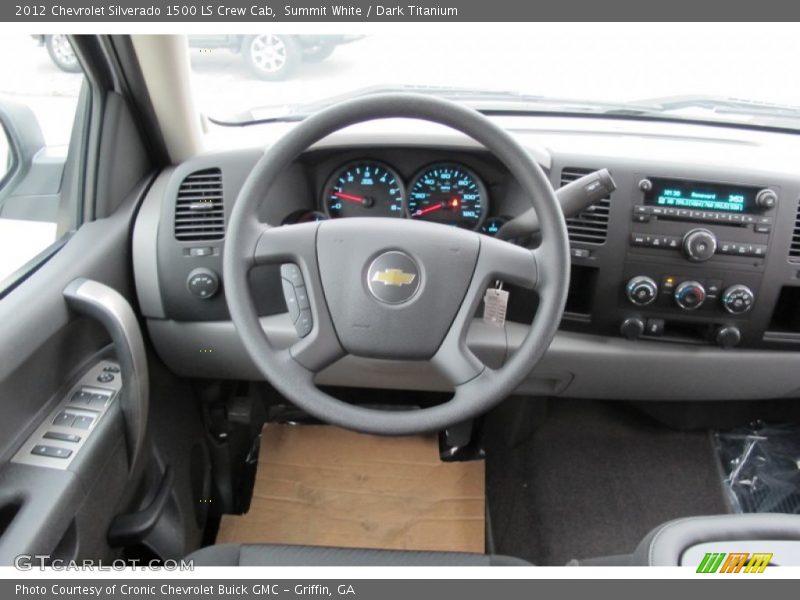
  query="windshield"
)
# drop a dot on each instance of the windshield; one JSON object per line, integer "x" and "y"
{"x": 739, "y": 73}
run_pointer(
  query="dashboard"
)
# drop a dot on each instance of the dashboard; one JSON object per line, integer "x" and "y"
{"x": 685, "y": 282}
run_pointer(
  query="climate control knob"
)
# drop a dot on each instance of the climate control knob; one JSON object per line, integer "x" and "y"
{"x": 699, "y": 245}
{"x": 641, "y": 290}
{"x": 690, "y": 295}
{"x": 738, "y": 299}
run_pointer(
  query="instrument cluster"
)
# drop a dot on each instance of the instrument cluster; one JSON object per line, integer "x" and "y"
{"x": 448, "y": 193}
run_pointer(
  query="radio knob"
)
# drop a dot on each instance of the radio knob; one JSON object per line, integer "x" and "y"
{"x": 641, "y": 290}
{"x": 699, "y": 245}
{"x": 690, "y": 295}
{"x": 766, "y": 199}
{"x": 738, "y": 299}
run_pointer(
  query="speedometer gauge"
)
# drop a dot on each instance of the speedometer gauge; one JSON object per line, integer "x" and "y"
{"x": 450, "y": 194}
{"x": 364, "y": 189}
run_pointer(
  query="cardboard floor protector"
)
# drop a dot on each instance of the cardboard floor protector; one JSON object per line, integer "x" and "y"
{"x": 325, "y": 486}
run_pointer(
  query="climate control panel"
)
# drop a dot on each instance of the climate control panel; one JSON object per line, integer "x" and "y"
{"x": 689, "y": 294}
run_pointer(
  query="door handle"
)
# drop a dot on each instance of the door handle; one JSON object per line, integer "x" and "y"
{"x": 112, "y": 310}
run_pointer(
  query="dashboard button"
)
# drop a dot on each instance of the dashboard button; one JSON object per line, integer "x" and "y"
{"x": 638, "y": 239}
{"x": 654, "y": 327}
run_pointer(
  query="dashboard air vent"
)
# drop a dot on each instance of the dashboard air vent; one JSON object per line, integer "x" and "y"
{"x": 199, "y": 212}
{"x": 794, "y": 249}
{"x": 591, "y": 225}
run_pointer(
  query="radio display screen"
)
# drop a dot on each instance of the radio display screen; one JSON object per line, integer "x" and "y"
{"x": 692, "y": 195}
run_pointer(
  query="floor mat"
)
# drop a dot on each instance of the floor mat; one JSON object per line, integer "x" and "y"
{"x": 761, "y": 463}
{"x": 594, "y": 479}
{"x": 325, "y": 486}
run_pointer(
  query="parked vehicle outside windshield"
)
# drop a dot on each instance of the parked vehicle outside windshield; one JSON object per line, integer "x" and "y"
{"x": 608, "y": 63}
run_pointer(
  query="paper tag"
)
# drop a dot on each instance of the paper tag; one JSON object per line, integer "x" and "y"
{"x": 495, "y": 302}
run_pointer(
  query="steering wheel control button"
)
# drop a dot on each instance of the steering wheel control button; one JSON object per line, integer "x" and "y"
{"x": 304, "y": 323}
{"x": 290, "y": 297}
{"x": 641, "y": 290}
{"x": 690, "y": 295}
{"x": 292, "y": 273}
{"x": 203, "y": 283}
{"x": 51, "y": 451}
{"x": 62, "y": 437}
{"x": 393, "y": 277}
{"x": 302, "y": 297}
{"x": 738, "y": 299}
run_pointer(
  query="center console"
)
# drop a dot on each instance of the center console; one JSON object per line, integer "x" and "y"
{"x": 697, "y": 249}
{"x": 694, "y": 260}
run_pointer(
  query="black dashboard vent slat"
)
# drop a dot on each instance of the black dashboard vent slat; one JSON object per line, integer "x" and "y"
{"x": 794, "y": 248}
{"x": 199, "y": 209}
{"x": 591, "y": 225}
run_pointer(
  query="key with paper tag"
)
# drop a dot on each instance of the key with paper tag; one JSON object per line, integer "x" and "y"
{"x": 495, "y": 302}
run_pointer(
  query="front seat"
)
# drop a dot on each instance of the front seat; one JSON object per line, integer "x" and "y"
{"x": 268, "y": 555}
{"x": 683, "y": 542}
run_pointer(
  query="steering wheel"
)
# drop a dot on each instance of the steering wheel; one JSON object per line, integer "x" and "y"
{"x": 393, "y": 288}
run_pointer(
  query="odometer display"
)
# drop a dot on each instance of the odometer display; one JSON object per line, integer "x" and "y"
{"x": 450, "y": 194}
{"x": 364, "y": 189}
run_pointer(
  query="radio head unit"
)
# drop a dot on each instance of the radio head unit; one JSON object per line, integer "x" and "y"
{"x": 693, "y": 195}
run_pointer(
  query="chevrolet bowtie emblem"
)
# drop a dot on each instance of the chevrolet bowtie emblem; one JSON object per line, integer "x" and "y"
{"x": 396, "y": 277}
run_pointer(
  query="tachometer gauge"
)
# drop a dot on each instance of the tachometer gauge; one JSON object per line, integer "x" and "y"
{"x": 450, "y": 194}
{"x": 364, "y": 189}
